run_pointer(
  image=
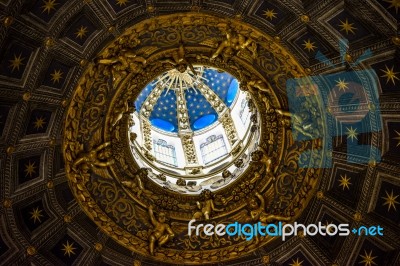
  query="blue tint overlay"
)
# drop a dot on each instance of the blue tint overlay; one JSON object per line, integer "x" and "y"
{"x": 342, "y": 104}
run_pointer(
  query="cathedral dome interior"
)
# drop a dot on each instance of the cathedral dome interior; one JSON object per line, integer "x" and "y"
{"x": 195, "y": 104}
{"x": 122, "y": 121}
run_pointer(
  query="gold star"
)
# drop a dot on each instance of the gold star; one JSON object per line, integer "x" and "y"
{"x": 397, "y": 138}
{"x": 390, "y": 74}
{"x": 351, "y": 133}
{"x": 81, "y": 32}
{"x": 56, "y": 76}
{"x": 368, "y": 260}
{"x": 30, "y": 169}
{"x": 39, "y": 123}
{"x": 296, "y": 262}
{"x": 330, "y": 228}
{"x": 390, "y": 200}
{"x": 122, "y": 2}
{"x": 344, "y": 182}
{"x": 342, "y": 84}
{"x": 394, "y": 3}
{"x": 48, "y": 6}
{"x": 36, "y": 214}
{"x": 270, "y": 14}
{"x": 16, "y": 62}
{"x": 309, "y": 45}
{"x": 347, "y": 27}
{"x": 68, "y": 249}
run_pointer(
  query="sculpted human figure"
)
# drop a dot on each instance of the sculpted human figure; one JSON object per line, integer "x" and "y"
{"x": 94, "y": 158}
{"x": 179, "y": 60}
{"x": 258, "y": 213}
{"x": 234, "y": 42}
{"x": 137, "y": 184}
{"x": 299, "y": 122}
{"x": 261, "y": 156}
{"x": 206, "y": 207}
{"x": 122, "y": 63}
{"x": 161, "y": 233}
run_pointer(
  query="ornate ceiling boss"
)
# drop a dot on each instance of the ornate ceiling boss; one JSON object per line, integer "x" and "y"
{"x": 124, "y": 199}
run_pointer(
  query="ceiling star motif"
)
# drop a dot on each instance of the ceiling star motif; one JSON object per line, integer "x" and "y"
{"x": 270, "y": 14}
{"x": 296, "y": 262}
{"x": 30, "y": 169}
{"x": 122, "y": 2}
{"x": 81, "y": 32}
{"x": 351, "y": 133}
{"x": 39, "y": 122}
{"x": 390, "y": 75}
{"x": 68, "y": 249}
{"x": 344, "y": 182}
{"x": 342, "y": 84}
{"x": 390, "y": 200}
{"x": 367, "y": 259}
{"x": 327, "y": 223}
{"x": 16, "y": 62}
{"x": 36, "y": 215}
{"x": 48, "y": 6}
{"x": 56, "y": 76}
{"x": 397, "y": 138}
{"x": 347, "y": 27}
{"x": 308, "y": 45}
{"x": 394, "y": 4}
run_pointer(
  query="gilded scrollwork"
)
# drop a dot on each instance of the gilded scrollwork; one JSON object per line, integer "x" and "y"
{"x": 116, "y": 199}
{"x": 189, "y": 149}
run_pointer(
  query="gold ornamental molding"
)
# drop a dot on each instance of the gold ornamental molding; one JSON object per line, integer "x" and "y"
{"x": 131, "y": 207}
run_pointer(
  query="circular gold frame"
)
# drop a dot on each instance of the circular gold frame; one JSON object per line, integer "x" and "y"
{"x": 98, "y": 160}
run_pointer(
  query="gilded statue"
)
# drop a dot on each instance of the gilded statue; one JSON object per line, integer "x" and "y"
{"x": 179, "y": 60}
{"x": 119, "y": 112}
{"x": 98, "y": 157}
{"x": 261, "y": 156}
{"x": 299, "y": 122}
{"x": 124, "y": 62}
{"x": 132, "y": 137}
{"x": 234, "y": 42}
{"x": 137, "y": 184}
{"x": 161, "y": 233}
{"x": 258, "y": 213}
{"x": 207, "y": 207}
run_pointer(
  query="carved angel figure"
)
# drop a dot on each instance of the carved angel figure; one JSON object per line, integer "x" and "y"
{"x": 299, "y": 122}
{"x": 234, "y": 42}
{"x": 206, "y": 207}
{"x": 161, "y": 233}
{"x": 179, "y": 60}
{"x": 258, "y": 213}
{"x": 137, "y": 184}
{"x": 122, "y": 63}
{"x": 261, "y": 156}
{"x": 98, "y": 157}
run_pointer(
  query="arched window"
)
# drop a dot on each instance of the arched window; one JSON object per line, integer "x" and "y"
{"x": 244, "y": 113}
{"x": 213, "y": 148}
{"x": 164, "y": 152}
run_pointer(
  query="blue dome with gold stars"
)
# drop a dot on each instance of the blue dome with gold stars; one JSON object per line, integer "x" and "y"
{"x": 161, "y": 106}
